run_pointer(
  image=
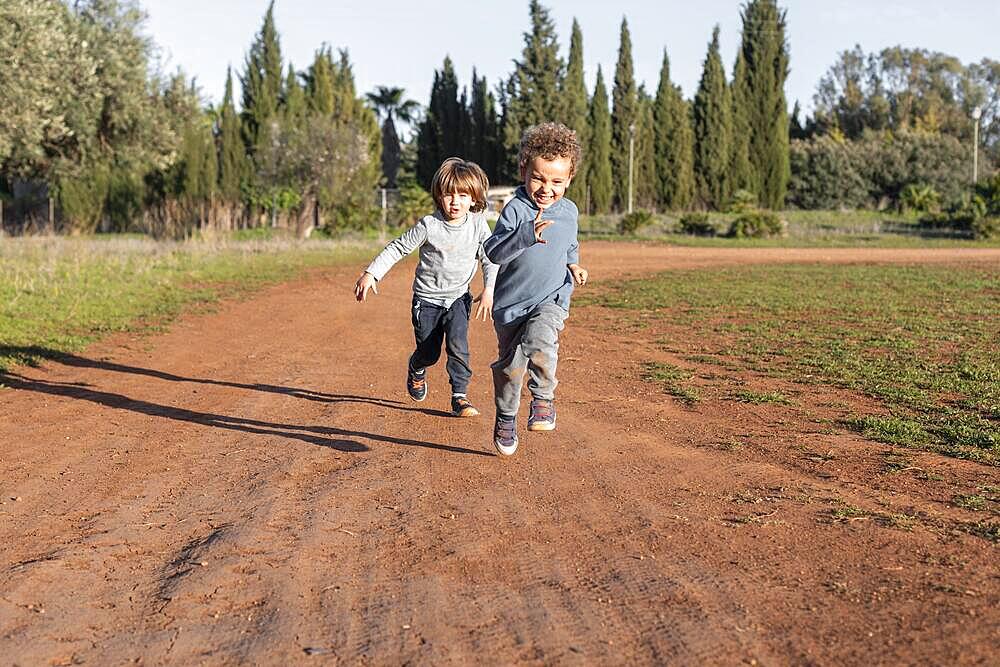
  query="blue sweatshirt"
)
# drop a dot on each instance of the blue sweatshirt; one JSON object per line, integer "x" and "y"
{"x": 532, "y": 273}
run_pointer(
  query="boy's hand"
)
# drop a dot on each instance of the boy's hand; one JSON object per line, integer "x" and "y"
{"x": 580, "y": 274}
{"x": 540, "y": 226}
{"x": 484, "y": 310}
{"x": 365, "y": 282}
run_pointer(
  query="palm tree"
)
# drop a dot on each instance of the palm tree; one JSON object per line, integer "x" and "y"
{"x": 388, "y": 102}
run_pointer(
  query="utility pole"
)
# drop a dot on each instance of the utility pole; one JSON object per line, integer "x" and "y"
{"x": 631, "y": 152}
{"x": 977, "y": 113}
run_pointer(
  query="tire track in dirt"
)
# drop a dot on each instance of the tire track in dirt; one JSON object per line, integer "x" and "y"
{"x": 337, "y": 523}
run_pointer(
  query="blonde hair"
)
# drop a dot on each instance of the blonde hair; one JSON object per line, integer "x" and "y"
{"x": 458, "y": 175}
{"x": 550, "y": 141}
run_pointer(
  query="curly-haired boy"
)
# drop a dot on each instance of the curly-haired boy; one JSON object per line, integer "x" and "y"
{"x": 536, "y": 278}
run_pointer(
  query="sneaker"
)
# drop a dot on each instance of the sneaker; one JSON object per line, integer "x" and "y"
{"x": 416, "y": 384}
{"x": 542, "y": 416}
{"x": 462, "y": 407}
{"x": 505, "y": 436}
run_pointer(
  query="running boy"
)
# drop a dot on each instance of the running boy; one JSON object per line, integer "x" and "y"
{"x": 451, "y": 243}
{"x": 535, "y": 244}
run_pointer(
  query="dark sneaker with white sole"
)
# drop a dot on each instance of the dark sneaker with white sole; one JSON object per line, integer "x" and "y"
{"x": 505, "y": 435}
{"x": 462, "y": 407}
{"x": 542, "y": 416}
{"x": 416, "y": 384}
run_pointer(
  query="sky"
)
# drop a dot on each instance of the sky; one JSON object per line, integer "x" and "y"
{"x": 395, "y": 43}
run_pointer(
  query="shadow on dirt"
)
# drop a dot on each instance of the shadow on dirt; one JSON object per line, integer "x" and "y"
{"x": 323, "y": 436}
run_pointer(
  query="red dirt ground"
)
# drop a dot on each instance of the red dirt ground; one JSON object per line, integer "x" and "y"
{"x": 254, "y": 487}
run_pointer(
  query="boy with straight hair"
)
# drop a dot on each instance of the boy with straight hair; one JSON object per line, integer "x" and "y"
{"x": 536, "y": 278}
{"x": 450, "y": 242}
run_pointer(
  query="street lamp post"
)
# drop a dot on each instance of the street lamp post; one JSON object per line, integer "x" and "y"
{"x": 631, "y": 151}
{"x": 977, "y": 113}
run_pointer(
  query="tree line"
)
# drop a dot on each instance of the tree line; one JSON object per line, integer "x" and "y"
{"x": 121, "y": 148}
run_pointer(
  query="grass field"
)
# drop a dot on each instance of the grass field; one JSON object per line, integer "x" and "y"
{"x": 848, "y": 229}
{"x": 921, "y": 340}
{"x": 59, "y": 294}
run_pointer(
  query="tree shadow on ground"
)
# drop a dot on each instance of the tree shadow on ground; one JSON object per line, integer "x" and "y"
{"x": 31, "y": 355}
{"x": 315, "y": 435}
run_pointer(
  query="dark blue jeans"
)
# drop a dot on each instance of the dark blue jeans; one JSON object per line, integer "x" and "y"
{"x": 433, "y": 325}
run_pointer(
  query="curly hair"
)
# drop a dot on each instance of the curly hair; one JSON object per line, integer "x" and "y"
{"x": 458, "y": 175}
{"x": 550, "y": 141}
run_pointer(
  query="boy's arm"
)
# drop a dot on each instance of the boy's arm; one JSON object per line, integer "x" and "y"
{"x": 510, "y": 238}
{"x": 397, "y": 249}
{"x": 490, "y": 269}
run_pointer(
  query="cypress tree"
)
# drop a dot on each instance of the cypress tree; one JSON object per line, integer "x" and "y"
{"x": 712, "y": 130}
{"x": 599, "y": 166}
{"x": 483, "y": 117}
{"x": 262, "y": 79}
{"x": 624, "y": 117}
{"x": 765, "y": 49}
{"x": 319, "y": 89}
{"x": 440, "y": 133}
{"x": 233, "y": 166}
{"x": 533, "y": 89}
{"x": 294, "y": 103}
{"x": 575, "y": 111}
{"x": 741, "y": 173}
{"x": 644, "y": 168}
{"x": 673, "y": 144}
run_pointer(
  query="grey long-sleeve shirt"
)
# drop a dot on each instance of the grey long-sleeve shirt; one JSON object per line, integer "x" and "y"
{"x": 448, "y": 257}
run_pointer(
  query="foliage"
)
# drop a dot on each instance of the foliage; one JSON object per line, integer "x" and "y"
{"x": 757, "y": 225}
{"x": 712, "y": 130}
{"x": 646, "y": 180}
{"x": 696, "y": 223}
{"x": 919, "y": 198}
{"x": 575, "y": 111}
{"x": 599, "y": 167}
{"x": 440, "y": 133}
{"x": 674, "y": 143}
{"x": 760, "y": 92}
{"x": 625, "y": 117}
{"x": 262, "y": 82}
{"x": 388, "y": 102}
{"x": 414, "y": 203}
{"x": 971, "y": 215}
{"x": 633, "y": 222}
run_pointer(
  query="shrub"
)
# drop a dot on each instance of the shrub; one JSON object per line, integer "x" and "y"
{"x": 696, "y": 224}
{"x": 970, "y": 215}
{"x": 743, "y": 201}
{"x": 633, "y": 222}
{"x": 756, "y": 225}
{"x": 919, "y": 198}
{"x": 414, "y": 203}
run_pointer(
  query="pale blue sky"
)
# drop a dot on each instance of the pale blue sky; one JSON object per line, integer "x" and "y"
{"x": 398, "y": 43}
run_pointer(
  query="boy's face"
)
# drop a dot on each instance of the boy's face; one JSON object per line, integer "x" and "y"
{"x": 455, "y": 205}
{"x": 546, "y": 180}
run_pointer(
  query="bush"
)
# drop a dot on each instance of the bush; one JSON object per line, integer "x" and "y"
{"x": 757, "y": 225}
{"x": 743, "y": 201}
{"x": 970, "y": 216}
{"x": 633, "y": 222}
{"x": 696, "y": 224}
{"x": 919, "y": 198}
{"x": 414, "y": 203}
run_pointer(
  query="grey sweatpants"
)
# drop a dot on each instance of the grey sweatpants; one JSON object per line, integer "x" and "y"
{"x": 531, "y": 344}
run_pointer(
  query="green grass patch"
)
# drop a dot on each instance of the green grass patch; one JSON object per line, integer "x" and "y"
{"x": 922, "y": 340}
{"x": 760, "y": 398}
{"x": 60, "y": 294}
{"x": 673, "y": 379}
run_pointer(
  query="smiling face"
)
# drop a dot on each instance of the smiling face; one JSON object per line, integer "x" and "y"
{"x": 546, "y": 180}
{"x": 456, "y": 205}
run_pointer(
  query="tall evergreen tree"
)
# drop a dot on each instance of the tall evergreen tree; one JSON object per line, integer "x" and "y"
{"x": 319, "y": 86}
{"x": 712, "y": 130}
{"x": 262, "y": 79}
{"x": 294, "y": 105}
{"x": 624, "y": 117}
{"x": 674, "y": 144}
{"x": 741, "y": 173}
{"x": 576, "y": 110}
{"x": 440, "y": 134}
{"x": 534, "y": 85}
{"x": 599, "y": 174}
{"x": 483, "y": 117}
{"x": 644, "y": 167}
{"x": 233, "y": 165}
{"x": 765, "y": 49}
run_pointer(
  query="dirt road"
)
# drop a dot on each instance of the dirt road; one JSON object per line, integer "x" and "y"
{"x": 253, "y": 486}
